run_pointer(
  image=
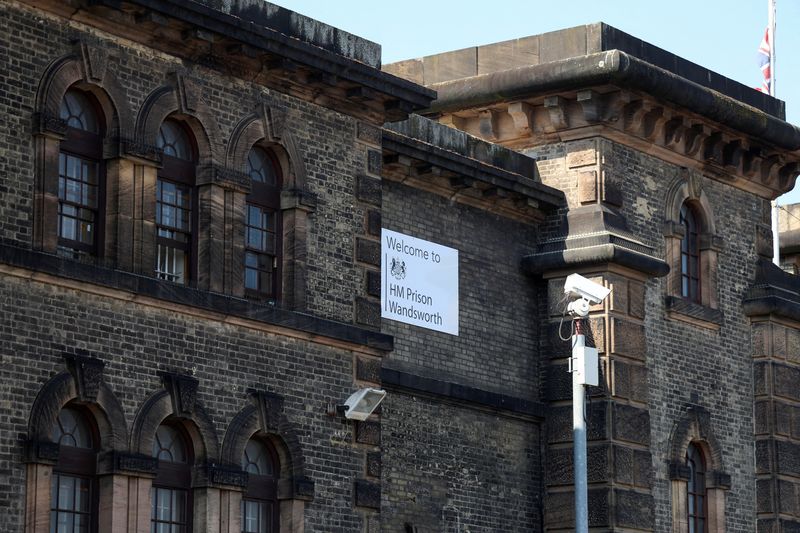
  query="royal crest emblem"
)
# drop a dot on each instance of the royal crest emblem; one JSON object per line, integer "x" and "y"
{"x": 398, "y": 269}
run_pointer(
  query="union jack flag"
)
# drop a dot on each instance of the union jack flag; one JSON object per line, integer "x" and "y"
{"x": 764, "y": 62}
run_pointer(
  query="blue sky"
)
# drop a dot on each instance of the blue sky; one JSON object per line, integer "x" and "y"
{"x": 722, "y": 35}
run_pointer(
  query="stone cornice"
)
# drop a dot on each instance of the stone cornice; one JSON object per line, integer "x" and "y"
{"x": 338, "y": 79}
{"x": 618, "y": 96}
{"x": 427, "y": 155}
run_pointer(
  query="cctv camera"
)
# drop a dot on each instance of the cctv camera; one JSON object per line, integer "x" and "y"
{"x": 577, "y": 285}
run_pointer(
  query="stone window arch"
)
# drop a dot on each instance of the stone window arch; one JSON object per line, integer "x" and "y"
{"x": 266, "y": 129}
{"x": 76, "y": 222}
{"x": 262, "y": 423}
{"x": 698, "y": 481}
{"x": 692, "y": 248}
{"x": 75, "y": 421}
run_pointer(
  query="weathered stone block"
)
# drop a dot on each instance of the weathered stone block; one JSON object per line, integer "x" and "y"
{"x": 763, "y": 417}
{"x": 633, "y": 509}
{"x": 368, "y": 432}
{"x": 764, "y": 497}
{"x": 618, "y": 299}
{"x": 787, "y": 457}
{"x": 373, "y": 466}
{"x": 785, "y": 381}
{"x": 368, "y": 369}
{"x": 368, "y": 190}
{"x": 587, "y": 186}
{"x": 761, "y": 333}
{"x": 623, "y": 465}
{"x": 374, "y": 283}
{"x": 627, "y": 338}
{"x": 368, "y": 251}
{"x": 581, "y": 153}
{"x": 631, "y": 424}
{"x": 636, "y": 299}
{"x": 374, "y": 162}
{"x": 369, "y": 134}
{"x": 374, "y": 222}
{"x": 367, "y": 494}
{"x": 368, "y": 312}
{"x": 642, "y": 469}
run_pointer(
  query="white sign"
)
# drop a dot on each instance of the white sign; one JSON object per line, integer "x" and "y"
{"x": 420, "y": 282}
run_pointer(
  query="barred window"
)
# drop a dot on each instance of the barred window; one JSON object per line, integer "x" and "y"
{"x": 175, "y": 198}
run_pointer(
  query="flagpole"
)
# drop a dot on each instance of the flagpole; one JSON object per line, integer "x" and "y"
{"x": 776, "y": 248}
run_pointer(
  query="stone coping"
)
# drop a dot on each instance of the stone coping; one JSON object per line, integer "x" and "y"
{"x": 571, "y": 43}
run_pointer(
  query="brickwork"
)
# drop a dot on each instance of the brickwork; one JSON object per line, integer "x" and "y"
{"x": 449, "y": 468}
{"x": 686, "y": 364}
{"x": 491, "y": 351}
{"x": 324, "y": 140}
{"x": 136, "y": 342}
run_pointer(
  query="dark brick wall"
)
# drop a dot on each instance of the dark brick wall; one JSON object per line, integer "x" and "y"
{"x": 40, "y": 321}
{"x": 686, "y": 364}
{"x": 496, "y": 345}
{"x": 325, "y": 141}
{"x": 449, "y": 468}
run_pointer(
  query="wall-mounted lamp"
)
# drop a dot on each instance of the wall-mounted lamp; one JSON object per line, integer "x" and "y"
{"x": 361, "y": 403}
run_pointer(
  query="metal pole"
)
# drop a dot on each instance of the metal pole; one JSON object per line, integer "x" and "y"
{"x": 776, "y": 247}
{"x": 579, "y": 439}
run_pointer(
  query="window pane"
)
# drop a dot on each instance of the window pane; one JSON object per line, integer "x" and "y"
{"x": 78, "y": 112}
{"x": 174, "y": 141}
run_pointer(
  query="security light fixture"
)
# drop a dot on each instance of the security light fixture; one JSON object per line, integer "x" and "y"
{"x": 361, "y": 403}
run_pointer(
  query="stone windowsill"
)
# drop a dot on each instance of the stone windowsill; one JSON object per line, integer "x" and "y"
{"x": 694, "y": 313}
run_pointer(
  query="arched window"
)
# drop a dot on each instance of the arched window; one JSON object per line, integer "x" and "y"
{"x": 81, "y": 175}
{"x": 262, "y": 238}
{"x": 696, "y": 490}
{"x": 171, "y": 494}
{"x": 260, "y": 502}
{"x": 690, "y": 254}
{"x": 73, "y": 500}
{"x": 176, "y": 231}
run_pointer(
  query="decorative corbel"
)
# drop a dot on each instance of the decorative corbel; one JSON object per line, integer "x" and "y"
{"x": 593, "y": 105}
{"x": 488, "y": 124}
{"x": 556, "y": 107}
{"x": 522, "y": 115}
{"x": 182, "y": 390}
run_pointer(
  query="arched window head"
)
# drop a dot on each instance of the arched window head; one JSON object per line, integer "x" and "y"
{"x": 168, "y": 445}
{"x": 261, "y": 167}
{"x": 71, "y": 429}
{"x": 257, "y": 459}
{"x": 79, "y": 112}
{"x": 174, "y": 141}
{"x": 696, "y": 490}
{"x": 690, "y": 253}
{"x": 262, "y": 226}
{"x": 73, "y": 486}
{"x": 260, "y": 500}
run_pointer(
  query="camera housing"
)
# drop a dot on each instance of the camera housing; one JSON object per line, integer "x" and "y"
{"x": 577, "y": 285}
